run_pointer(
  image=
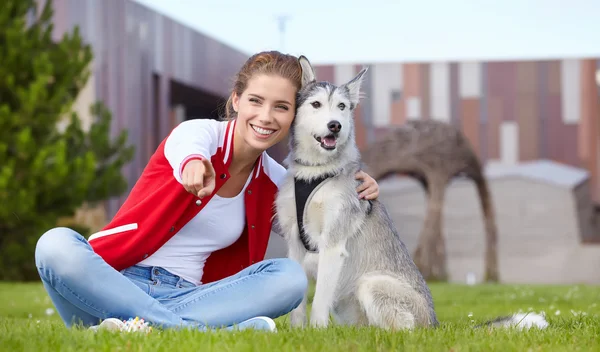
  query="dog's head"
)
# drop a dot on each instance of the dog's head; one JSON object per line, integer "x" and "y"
{"x": 324, "y": 124}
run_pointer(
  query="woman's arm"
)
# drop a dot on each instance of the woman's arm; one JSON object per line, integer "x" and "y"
{"x": 191, "y": 140}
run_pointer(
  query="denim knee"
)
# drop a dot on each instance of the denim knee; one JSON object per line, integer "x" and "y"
{"x": 56, "y": 249}
{"x": 292, "y": 281}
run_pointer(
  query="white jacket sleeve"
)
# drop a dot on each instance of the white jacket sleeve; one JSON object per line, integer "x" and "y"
{"x": 191, "y": 138}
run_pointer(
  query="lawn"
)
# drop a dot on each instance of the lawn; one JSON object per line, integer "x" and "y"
{"x": 29, "y": 323}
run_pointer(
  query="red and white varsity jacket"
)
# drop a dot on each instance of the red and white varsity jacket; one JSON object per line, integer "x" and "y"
{"x": 158, "y": 206}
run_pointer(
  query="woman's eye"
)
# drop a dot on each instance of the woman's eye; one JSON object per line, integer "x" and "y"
{"x": 342, "y": 106}
{"x": 315, "y": 104}
{"x": 284, "y": 107}
{"x": 254, "y": 100}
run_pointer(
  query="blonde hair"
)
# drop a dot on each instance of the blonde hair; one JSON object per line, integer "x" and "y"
{"x": 266, "y": 62}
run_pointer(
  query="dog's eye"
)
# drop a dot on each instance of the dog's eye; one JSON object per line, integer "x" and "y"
{"x": 315, "y": 104}
{"x": 342, "y": 106}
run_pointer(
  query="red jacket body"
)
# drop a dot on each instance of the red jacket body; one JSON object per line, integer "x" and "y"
{"x": 158, "y": 206}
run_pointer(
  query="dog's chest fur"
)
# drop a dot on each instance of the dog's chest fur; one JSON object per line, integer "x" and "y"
{"x": 315, "y": 212}
{"x": 315, "y": 209}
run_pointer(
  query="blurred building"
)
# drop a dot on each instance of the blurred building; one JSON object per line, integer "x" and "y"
{"x": 153, "y": 73}
{"x": 511, "y": 111}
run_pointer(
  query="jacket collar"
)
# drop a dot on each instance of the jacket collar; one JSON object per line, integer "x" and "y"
{"x": 227, "y": 147}
{"x": 227, "y": 144}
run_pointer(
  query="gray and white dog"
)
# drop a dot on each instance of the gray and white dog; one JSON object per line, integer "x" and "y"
{"x": 364, "y": 273}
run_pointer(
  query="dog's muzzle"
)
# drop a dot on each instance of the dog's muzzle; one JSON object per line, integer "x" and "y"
{"x": 329, "y": 141}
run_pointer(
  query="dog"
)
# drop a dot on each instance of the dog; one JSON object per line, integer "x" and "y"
{"x": 364, "y": 273}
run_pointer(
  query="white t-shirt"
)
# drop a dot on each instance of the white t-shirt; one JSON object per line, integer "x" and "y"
{"x": 219, "y": 224}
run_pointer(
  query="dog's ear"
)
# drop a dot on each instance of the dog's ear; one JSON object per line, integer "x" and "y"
{"x": 353, "y": 86}
{"x": 308, "y": 73}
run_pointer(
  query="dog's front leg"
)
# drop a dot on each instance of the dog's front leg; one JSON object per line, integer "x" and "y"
{"x": 297, "y": 253}
{"x": 298, "y": 314}
{"x": 331, "y": 260}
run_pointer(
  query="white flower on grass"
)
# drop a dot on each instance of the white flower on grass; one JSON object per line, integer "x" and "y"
{"x": 470, "y": 314}
{"x": 526, "y": 293}
{"x": 557, "y": 312}
{"x": 49, "y": 311}
{"x": 577, "y": 313}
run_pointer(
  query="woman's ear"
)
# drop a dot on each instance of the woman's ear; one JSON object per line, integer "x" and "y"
{"x": 235, "y": 101}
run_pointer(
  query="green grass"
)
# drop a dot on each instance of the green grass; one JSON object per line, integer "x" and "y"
{"x": 28, "y": 323}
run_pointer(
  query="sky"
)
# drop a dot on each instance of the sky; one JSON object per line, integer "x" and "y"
{"x": 352, "y": 31}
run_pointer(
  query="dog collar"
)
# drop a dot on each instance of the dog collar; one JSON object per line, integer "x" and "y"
{"x": 304, "y": 163}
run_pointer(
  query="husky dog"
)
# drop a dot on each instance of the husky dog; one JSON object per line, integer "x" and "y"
{"x": 364, "y": 273}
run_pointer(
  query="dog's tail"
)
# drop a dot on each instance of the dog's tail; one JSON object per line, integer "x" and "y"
{"x": 519, "y": 320}
{"x": 392, "y": 303}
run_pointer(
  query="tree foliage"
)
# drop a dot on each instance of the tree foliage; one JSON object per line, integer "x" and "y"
{"x": 49, "y": 165}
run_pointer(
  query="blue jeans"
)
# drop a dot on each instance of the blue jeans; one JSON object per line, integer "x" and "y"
{"x": 86, "y": 290}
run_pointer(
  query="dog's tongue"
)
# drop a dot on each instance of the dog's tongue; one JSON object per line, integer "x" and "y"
{"x": 329, "y": 141}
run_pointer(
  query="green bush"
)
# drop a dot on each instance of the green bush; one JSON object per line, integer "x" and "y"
{"x": 47, "y": 171}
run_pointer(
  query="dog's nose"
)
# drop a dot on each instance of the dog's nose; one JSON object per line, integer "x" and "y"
{"x": 334, "y": 126}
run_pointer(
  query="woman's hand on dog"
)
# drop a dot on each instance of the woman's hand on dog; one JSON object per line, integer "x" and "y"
{"x": 198, "y": 177}
{"x": 369, "y": 189}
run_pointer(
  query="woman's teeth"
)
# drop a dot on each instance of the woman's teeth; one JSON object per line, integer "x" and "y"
{"x": 262, "y": 130}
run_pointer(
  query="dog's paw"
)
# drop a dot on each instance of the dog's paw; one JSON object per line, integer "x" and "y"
{"x": 319, "y": 322}
{"x": 298, "y": 323}
{"x": 297, "y": 319}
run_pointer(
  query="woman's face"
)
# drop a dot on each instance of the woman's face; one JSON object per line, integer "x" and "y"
{"x": 265, "y": 111}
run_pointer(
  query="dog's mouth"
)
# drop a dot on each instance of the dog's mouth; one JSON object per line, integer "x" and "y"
{"x": 328, "y": 142}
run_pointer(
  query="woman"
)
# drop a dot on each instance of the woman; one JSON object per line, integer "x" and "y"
{"x": 186, "y": 249}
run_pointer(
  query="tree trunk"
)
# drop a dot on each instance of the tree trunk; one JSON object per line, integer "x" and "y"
{"x": 491, "y": 253}
{"x": 430, "y": 256}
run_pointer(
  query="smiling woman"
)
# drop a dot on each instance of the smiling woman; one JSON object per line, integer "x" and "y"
{"x": 265, "y": 111}
{"x": 186, "y": 249}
